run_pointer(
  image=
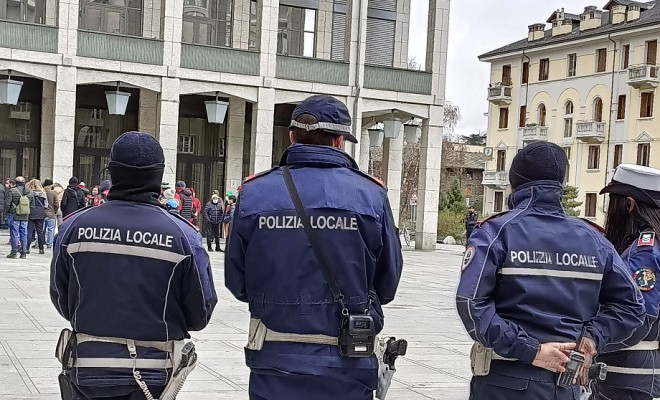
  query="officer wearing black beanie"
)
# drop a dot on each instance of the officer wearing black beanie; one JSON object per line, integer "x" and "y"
{"x": 534, "y": 281}
{"x": 133, "y": 280}
{"x": 540, "y": 161}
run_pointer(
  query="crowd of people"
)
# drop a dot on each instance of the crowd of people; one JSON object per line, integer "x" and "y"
{"x": 34, "y": 223}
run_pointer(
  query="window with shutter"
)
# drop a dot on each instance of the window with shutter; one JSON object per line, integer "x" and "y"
{"x": 647, "y": 105}
{"x": 590, "y": 205}
{"x": 601, "y": 55}
{"x": 621, "y": 107}
{"x": 338, "y": 52}
{"x": 380, "y": 42}
{"x": 618, "y": 155}
{"x": 523, "y": 116}
{"x": 625, "y": 54}
{"x": 525, "y": 72}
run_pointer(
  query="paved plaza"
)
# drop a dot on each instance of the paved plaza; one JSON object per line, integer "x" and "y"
{"x": 436, "y": 366}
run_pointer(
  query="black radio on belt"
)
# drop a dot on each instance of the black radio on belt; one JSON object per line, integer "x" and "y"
{"x": 357, "y": 336}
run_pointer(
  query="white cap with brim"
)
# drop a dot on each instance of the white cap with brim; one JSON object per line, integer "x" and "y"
{"x": 636, "y": 181}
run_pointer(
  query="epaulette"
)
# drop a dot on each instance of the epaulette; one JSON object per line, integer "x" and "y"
{"x": 78, "y": 211}
{"x": 595, "y": 225}
{"x": 260, "y": 174}
{"x": 375, "y": 180}
{"x": 176, "y": 215}
{"x": 491, "y": 217}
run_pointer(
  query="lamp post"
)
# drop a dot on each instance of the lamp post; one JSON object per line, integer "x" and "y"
{"x": 117, "y": 101}
{"x": 10, "y": 90}
{"x": 216, "y": 110}
{"x": 412, "y": 132}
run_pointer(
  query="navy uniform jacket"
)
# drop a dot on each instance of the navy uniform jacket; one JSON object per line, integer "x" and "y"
{"x": 535, "y": 275}
{"x": 130, "y": 270}
{"x": 270, "y": 265}
{"x": 643, "y": 260}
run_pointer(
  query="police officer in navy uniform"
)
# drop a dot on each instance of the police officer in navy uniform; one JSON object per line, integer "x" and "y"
{"x": 128, "y": 269}
{"x": 270, "y": 264}
{"x": 534, "y": 280}
{"x": 633, "y": 226}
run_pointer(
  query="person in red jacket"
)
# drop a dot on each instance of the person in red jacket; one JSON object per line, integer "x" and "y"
{"x": 185, "y": 198}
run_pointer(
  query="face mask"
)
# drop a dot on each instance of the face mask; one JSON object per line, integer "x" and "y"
{"x": 215, "y": 201}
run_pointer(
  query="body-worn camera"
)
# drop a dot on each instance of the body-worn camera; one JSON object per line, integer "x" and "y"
{"x": 575, "y": 361}
{"x": 598, "y": 371}
{"x": 356, "y": 336}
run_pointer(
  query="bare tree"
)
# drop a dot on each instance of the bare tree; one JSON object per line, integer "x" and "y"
{"x": 452, "y": 118}
{"x": 414, "y": 64}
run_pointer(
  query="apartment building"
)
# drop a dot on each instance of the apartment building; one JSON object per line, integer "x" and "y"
{"x": 215, "y": 81}
{"x": 586, "y": 82}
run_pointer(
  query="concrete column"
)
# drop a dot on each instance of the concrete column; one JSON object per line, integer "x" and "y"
{"x": 47, "y": 129}
{"x": 67, "y": 39}
{"x": 429, "y": 180}
{"x": 324, "y": 29}
{"x": 365, "y": 145}
{"x": 168, "y": 129}
{"x": 401, "y": 34}
{"x": 436, "y": 50}
{"x": 270, "y": 10}
{"x": 171, "y": 25}
{"x": 148, "y": 114}
{"x": 263, "y": 120}
{"x": 51, "y": 12}
{"x": 65, "y": 124}
{"x": 241, "y": 25}
{"x": 392, "y": 169}
{"x": 234, "y": 150}
{"x": 357, "y": 28}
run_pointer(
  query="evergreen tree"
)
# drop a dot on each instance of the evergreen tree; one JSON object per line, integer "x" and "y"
{"x": 569, "y": 201}
{"x": 452, "y": 199}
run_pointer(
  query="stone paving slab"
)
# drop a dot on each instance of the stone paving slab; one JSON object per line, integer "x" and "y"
{"x": 436, "y": 366}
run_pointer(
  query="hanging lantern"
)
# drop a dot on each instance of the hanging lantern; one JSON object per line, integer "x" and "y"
{"x": 392, "y": 127}
{"x": 117, "y": 101}
{"x": 375, "y": 137}
{"x": 216, "y": 110}
{"x": 10, "y": 90}
{"x": 412, "y": 133}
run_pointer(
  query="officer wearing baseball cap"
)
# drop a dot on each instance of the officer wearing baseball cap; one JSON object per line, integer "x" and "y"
{"x": 534, "y": 281}
{"x": 633, "y": 226}
{"x": 133, "y": 280}
{"x": 277, "y": 256}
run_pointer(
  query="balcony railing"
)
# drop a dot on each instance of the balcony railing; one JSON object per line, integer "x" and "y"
{"x": 312, "y": 70}
{"x": 219, "y": 59}
{"x": 497, "y": 179}
{"x": 535, "y": 133}
{"x": 590, "y": 131}
{"x": 643, "y": 76}
{"x": 27, "y": 36}
{"x": 499, "y": 93}
{"x": 119, "y": 47}
{"x": 398, "y": 80}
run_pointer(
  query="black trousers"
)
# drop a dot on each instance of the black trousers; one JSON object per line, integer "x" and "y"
{"x": 604, "y": 392}
{"x": 213, "y": 233}
{"x": 36, "y": 226}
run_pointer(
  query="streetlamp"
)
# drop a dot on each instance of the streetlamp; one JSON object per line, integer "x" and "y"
{"x": 392, "y": 127}
{"x": 117, "y": 101}
{"x": 412, "y": 132}
{"x": 375, "y": 137}
{"x": 10, "y": 90}
{"x": 216, "y": 110}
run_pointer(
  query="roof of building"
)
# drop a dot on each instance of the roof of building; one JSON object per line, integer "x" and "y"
{"x": 454, "y": 157}
{"x": 569, "y": 16}
{"x": 649, "y": 17}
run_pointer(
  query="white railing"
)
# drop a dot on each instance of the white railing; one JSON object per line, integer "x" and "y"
{"x": 496, "y": 178}
{"x": 590, "y": 130}
{"x": 535, "y": 133}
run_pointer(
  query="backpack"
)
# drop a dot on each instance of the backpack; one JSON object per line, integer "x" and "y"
{"x": 23, "y": 206}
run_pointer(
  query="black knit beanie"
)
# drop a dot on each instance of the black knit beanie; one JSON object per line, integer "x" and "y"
{"x": 540, "y": 161}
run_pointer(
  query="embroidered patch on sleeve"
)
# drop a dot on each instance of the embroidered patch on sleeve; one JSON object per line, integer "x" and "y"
{"x": 646, "y": 239}
{"x": 645, "y": 279}
{"x": 468, "y": 257}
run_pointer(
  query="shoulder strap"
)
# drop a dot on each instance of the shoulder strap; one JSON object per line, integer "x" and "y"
{"x": 312, "y": 239}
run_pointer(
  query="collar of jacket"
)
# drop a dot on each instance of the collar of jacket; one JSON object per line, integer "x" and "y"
{"x": 544, "y": 195}
{"x": 322, "y": 156}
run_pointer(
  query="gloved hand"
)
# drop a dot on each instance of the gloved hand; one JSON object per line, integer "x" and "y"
{"x": 552, "y": 356}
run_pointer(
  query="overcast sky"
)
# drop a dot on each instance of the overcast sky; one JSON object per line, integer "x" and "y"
{"x": 478, "y": 26}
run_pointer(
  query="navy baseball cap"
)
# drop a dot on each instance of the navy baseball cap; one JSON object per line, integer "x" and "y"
{"x": 331, "y": 115}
